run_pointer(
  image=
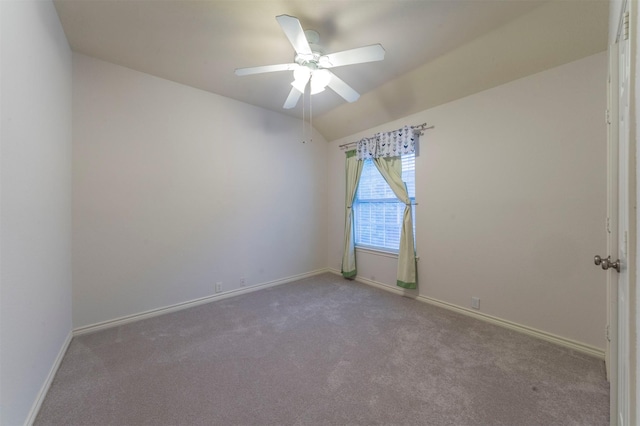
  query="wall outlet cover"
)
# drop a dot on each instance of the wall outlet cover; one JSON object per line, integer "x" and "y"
{"x": 475, "y": 302}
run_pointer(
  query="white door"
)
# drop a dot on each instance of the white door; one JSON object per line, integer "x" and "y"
{"x": 611, "y": 352}
{"x": 624, "y": 74}
{"x": 616, "y": 262}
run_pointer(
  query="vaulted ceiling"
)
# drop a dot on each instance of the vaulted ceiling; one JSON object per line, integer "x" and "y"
{"x": 436, "y": 51}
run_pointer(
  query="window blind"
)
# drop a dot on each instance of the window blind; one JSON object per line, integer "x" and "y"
{"x": 377, "y": 212}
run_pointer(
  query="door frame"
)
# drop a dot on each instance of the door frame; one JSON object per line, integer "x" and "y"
{"x": 611, "y": 347}
{"x": 621, "y": 214}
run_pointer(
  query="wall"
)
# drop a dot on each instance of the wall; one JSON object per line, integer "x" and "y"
{"x": 35, "y": 208}
{"x": 551, "y": 34}
{"x": 511, "y": 186}
{"x": 175, "y": 189}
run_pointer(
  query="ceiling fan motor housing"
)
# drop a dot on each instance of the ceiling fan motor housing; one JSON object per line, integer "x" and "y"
{"x": 311, "y": 61}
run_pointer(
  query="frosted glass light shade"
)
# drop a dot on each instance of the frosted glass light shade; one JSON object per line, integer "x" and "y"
{"x": 301, "y": 77}
{"x": 319, "y": 80}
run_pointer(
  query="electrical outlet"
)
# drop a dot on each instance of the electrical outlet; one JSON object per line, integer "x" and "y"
{"x": 243, "y": 282}
{"x": 218, "y": 287}
{"x": 475, "y": 302}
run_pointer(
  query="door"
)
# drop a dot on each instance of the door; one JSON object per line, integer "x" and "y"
{"x": 618, "y": 213}
{"x": 611, "y": 352}
{"x": 622, "y": 278}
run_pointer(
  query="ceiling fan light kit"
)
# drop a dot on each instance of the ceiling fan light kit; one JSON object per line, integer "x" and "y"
{"x": 301, "y": 76}
{"x": 319, "y": 80}
{"x": 311, "y": 65}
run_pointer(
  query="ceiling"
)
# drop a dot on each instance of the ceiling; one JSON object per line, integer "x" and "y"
{"x": 436, "y": 51}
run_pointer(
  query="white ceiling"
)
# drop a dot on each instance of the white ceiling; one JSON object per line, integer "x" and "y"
{"x": 435, "y": 50}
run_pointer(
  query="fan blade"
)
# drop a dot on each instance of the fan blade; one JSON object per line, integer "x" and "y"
{"x": 265, "y": 68}
{"x": 292, "y": 99}
{"x": 360, "y": 55}
{"x": 294, "y": 32}
{"x": 343, "y": 89}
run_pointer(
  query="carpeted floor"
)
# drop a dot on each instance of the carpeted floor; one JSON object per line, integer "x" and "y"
{"x": 322, "y": 351}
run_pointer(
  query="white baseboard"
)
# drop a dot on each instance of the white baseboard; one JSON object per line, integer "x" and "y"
{"x": 35, "y": 408}
{"x": 191, "y": 303}
{"x": 549, "y": 337}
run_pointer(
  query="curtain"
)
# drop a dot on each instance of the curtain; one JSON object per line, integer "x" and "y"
{"x": 386, "y": 149}
{"x": 353, "y": 172}
{"x": 388, "y": 144}
{"x": 391, "y": 170}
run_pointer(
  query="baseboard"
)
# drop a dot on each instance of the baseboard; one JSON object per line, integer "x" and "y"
{"x": 35, "y": 408}
{"x": 191, "y": 303}
{"x": 549, "y": 337}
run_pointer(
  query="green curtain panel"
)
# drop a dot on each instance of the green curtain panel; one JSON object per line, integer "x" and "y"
{"x": 354, "y": 170}
{"x": 391, "y": 170}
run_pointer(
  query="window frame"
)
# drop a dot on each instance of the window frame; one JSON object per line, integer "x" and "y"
{"x": 376, "y": 249}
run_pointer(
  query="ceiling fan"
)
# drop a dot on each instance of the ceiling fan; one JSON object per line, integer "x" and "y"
{"x": 312, "y": 65}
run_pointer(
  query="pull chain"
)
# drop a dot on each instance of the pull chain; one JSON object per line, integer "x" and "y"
{"x": 304, "y": 97}
{"x": 304, "y": 107}
{"x": 310, "y": 119}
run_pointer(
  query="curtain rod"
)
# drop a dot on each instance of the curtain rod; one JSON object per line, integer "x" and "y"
{"x": 420, "y": 128}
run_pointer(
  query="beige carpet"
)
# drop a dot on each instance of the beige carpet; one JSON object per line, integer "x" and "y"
{"x": 322, "y": 351}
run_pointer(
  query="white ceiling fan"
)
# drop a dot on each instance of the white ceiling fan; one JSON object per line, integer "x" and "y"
{"x": 312, "y": 65}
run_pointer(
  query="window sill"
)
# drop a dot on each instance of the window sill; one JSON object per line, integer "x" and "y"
{"x": 377, "y": 252}
{"x": 380, "y": 252}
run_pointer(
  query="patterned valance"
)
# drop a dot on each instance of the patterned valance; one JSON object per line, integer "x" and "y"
{"x": 388, "y": 144}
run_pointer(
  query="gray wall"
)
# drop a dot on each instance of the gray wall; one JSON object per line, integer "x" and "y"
{"x": 35, "y": 202}
{"x": 511, "y": 186}
{"x": 175, "y": 189}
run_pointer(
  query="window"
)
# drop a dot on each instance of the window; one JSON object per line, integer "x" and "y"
{"x": 377, "y": 212}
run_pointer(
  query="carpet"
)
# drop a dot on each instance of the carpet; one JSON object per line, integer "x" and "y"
{"x": 322, "y": 351}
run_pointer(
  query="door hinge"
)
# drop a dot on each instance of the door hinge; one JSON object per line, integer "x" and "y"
{"x": 626, "y": 25}
{"x": 609, "y": 225}
{"x": 607, "y": 116}
{"x": 608, "y": 333}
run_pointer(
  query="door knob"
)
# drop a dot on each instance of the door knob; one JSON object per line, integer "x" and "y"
{"x": 607, "y": 263}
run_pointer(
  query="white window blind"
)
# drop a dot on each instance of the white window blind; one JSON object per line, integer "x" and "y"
{"x": 378, "y": 213}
